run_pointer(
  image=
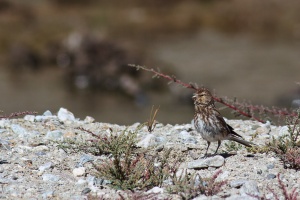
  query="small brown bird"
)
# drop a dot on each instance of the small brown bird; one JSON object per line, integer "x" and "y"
{"x": 209, "y": 122}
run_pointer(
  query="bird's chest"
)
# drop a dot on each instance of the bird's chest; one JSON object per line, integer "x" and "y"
{"x": 208, "y": 127}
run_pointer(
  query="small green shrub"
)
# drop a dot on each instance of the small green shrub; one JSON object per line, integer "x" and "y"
{"x": 191, "y": 186}
{"x": 287, "y": 147}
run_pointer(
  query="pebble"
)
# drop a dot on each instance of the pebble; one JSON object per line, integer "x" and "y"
{"x": 48, "y": 194}
{"x": 50, "y": 178}
{"x": 46, "y": 116}
{"x": 283, "y": 131}
{"x": 4, "y": 123}
{"x": 5, "y": 144}
{"x": 81, "y": 182}
{"x": 271, "y": 176}
{"x": 45, "y": 166}
{"x": 47, "y": 113}
{"x": 156, "y": 190}
{"x": 2, "y": 130}
{"x": 239, "y": 197}
{"x": 38, "y": 168}
{"x": 65, "y": 115}
{"x": 55, "y": 135}
{"x": 79, "y": 171}
{"x": 270, "y": 166}
{"x": 249, "y": 188}
{"x": 84, "y": 159}
{"x": 85, "y": 191}
{"x": 19, "y": 130}
{"x": 237, "y": 183}
{"x": 187, "y": 138}
{"x": 216, "y": 161}
{"x": 30, "y": 118}
{"x": 147, "y": 141}
{"x": 89, "y": 119}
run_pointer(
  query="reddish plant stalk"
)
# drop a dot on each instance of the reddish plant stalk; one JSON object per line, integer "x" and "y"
{"x": 217, "y": 99}
{"x": 17, "y": 114}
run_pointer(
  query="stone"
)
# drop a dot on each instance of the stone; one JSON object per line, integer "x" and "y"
{"x": 148, "y": 140}
{"x": 45, "y": 166}
{"x": 79, "y": 171}
{"x": 19, "y": 130}
{"x": 284, "y": 130}
{"x": 89, "y": 119}
{"x": 249, "y": 188}
{"x": 237, "y": 183}
{"x": 84, "y": 159}
{"x": 55, "y": 135}
{"x": 270, "y": 166}
{"x": 216, "y": 161}
{"x": 65, "y": 115}
{"x": 156, "y": 190}
{"x": 30, "y": 118}
{"x": 50, "y": 178}
{"x": 271, "y": 176}
{"x": 85, "y": 191}
{"x": 47, "y": 113}
{"x": 48, "y": 194}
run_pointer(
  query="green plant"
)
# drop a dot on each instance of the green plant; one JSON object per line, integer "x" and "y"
{"x": 287, "y": 146}
{"x": 139, "y": 171}
{"x": 292, "y": 195}
{"x": 126, "y": 166}
{"x": 232, "y": 146}
{"x": 189, "y": 186}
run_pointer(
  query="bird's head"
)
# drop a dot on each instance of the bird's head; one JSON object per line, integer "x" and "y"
{"x": 203, "y": 97}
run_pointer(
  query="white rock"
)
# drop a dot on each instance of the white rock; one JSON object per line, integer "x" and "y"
{"x": 30, "y": 118}
{"x": 81, "y": 182}
{"x": 54, "y": 135}
{"x": 65, "y": 115}
{"x": 224, "y": 175}
{"x": 184, "y": 134}
{"x": 284, "y": 131}
{"x": 19, "y": 130}
{"x": 45, "y": 166}
{"x": 50, "y": 178}
{"x": 89, "y": 119}
{"x": 48, "y": 194}
{"x": 156, "y": 190}
{"x": 249, "y": 188}
{"x": 79, "y": 171}
{"x": 147, "y": 141}
{"x": 216, "y": 161}
{"x": 4, "y": 123}
{"x": 47, "y": 113}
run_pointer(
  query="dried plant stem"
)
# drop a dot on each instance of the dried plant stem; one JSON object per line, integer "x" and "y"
{"x": 16, "y": 114}
{"x": 251, "y": 108}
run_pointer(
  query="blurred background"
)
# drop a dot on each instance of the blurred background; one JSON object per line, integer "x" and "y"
{"x": 74, "y": 54}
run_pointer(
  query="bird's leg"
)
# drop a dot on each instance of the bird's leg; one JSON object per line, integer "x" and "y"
{"x": 208, "y": 144}
{"x": 219, "y": 143}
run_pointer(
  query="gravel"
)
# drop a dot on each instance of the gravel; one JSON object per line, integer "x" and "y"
{"x": 33, "y": 167}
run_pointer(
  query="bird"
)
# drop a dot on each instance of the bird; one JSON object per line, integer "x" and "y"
{"x": 209, "y": 122}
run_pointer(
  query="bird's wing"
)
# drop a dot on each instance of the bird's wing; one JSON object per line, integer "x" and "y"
{"x": 225, "y": 125}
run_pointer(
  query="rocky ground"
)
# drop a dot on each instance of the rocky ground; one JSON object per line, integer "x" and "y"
{"x": 33, "y": 167}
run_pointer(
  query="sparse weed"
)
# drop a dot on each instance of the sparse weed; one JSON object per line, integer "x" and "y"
{"x": 232, "y": 146}
{"x": 17, "y": 114}
{"x": 151, "y": 121}
{"x": 287, "y": 146}
{"x": 292, "y": 195}
{"x": 126, "y": 166}
{"x": 189, "y": 186}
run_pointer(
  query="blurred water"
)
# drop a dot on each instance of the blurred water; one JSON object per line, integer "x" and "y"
{"x": 261, "y": 72}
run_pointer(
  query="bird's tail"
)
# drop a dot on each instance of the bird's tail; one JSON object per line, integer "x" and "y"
{"x": 241, "y": 141}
